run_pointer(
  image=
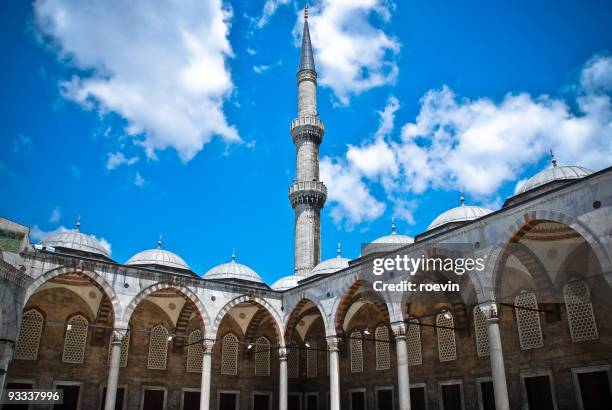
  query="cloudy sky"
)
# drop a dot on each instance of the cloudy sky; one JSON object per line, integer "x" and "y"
{"x": 172, "y": 117}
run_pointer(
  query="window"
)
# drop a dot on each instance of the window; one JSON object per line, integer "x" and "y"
{"x": 528, "y": 321}
{"x": 593, "y": 387}
{"x": 262, "y": 357}
{"x": 76, "y": 340}
{"x": 195, "y": 351}
{"x": 413, "y": 340}
{"x": 447, "y": 348}
{"x": 125, "y": 346}
{"x": 311, "y": 361}
{"x": 451, "y": 395}
{"x": 229, "y": 355}
{"x": 580, "y": 311}
{"x": 383, "y": 360}
{"x": 158, "y": 348}
{"x": 537, "y": 389}
{"x": 480, "y": 330}
{"x": 356, "y": 352}
{"x": 293, "y": 362}
{"x": 29, "y": 335}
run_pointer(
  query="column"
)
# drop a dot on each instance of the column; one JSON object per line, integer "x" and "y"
{"x": 113, "y": 370}
{"x": 334, "y": 372}
{"x": 207, "y": 346}
{"x": 403, "y": 377}
{"x": 6, "y": 355}
{"x": 498, "y": 372}
{"x": 282, "y": 388}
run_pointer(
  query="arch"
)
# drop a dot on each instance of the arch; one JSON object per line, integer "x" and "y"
{"x": 253, "y": 299}
{"x": 95, "y": 277}
{"x": 292, "y": 317}
{"x": 304, "y": 297}
{"x": 494, "y": 263}
{"x": 160, "y": 286}
{"x": 342, "y": 305}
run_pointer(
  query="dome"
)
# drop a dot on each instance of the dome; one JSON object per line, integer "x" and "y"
{"x": 286, "y": 283}
{"x": 462, "y": 213}
{"x": 332, "y": 265}
{"x": 233, "y": 270}
{"x": 158, "y": 256}
{"x": 76, "y": 240}
{"x": 389, "y": 242}
{"x": 555, "y": 173}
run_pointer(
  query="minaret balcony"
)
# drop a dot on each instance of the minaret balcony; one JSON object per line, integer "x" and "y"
{"x": 307, "y": 128}
{"x": 308, "y": 192}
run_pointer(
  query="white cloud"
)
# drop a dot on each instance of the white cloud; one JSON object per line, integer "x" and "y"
{"x": 352, "y": 55}
{"x": 263, "y": 68}
{"x": 387, "y": 117}
{"x": 250, "y": 51}
{"x": 56, "y": 215}
{"x": 479, "y": 145}
{"x": 160, "y": 65}
{"x": 269, "y": 9}
{"x": 22, "y": 144}
{"x": 139, "y": 181}
{"x": 113, "y": 160}
{"x": 37, "y": 235}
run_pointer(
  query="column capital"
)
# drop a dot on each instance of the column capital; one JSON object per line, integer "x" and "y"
{"x": 118, "y": 335}
{"x": 333, "y": 343}
{"x": 399, "y": 329}
{"x": 282, "y": 353}
{"x": 208, "y": 345}
{"x": 489, "y": 310}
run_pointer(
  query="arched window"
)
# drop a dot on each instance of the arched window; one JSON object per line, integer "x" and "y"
{"x": 28, "y": 341}
{"x": 195, "y": 352}
{"x": 158, "y": 348}
{"x": 293, "y": 362}
{"x": 312, "y": 365}
{"x": 229, "y": 355}
{"x": 383, "y": 359}
{"x": 447, "y": 348}
{"x": 356, "y": 352}
{"x": 528, "y": 321}
{"x": 125, "y": 347}
{"x": 580, "y": 311}
{"x": 76, "y": 340}
{"x": 262, "y": 357}
{"x": 480, "y": 330}
{"x": 413, "y": 340}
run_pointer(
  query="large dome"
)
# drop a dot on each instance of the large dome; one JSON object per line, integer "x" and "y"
{"x": 158, "y": 257}
{"x": 288, "y": 282}
{"x": 76, "y": 240}
{"x": 554, "y": 173}
{"x": 462, "y": 213}
{"x": 233, "y": 270}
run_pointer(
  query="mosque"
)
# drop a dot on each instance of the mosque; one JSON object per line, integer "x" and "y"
{"x": 530, "y": 331}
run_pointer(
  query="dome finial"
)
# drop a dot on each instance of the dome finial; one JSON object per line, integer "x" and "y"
{"x": 305, "y": 10}
{"x": 159, "y": 241}
{"x": 553, "y": 161}
{"x": 234, "y": 255}
{"x": 393, "y": 226}
{"x": 339, "y": 249}
{"x": 78, "y": 223}
{"x": 461, "y": 198}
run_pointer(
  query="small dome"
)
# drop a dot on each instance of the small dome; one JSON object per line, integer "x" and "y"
{"x": 76, "y": 240}
{"x": 233, "y": 270}
{"x": 389, "y": 242}
{"x": 286, "y": 283}
{"x": 462, "y": 213}
{"x": 332, "y": 265}
{"x": 555, "y": 173}
{"x": 160, "y": 257}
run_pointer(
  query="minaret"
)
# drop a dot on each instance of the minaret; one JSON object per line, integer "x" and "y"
{"x": 307, "y": 194}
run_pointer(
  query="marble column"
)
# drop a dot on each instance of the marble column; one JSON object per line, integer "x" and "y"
{"x": 498, "y": 372}
{"x": 207, "y": 346}
{"x": 7, "y": 348}
{"x": 403, "y": 377}
{"x": 334, "y": 372}
{"x": 113, "y": 370}
{"x": 282, "y": 388}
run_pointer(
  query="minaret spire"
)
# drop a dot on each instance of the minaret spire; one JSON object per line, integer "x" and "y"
{"x": 307, "y": 194}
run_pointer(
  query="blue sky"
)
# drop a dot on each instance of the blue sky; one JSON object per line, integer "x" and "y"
{"x": 175, "y": 119}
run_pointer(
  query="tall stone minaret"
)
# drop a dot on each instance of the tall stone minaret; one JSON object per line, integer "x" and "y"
{"x": 307, "y": 194}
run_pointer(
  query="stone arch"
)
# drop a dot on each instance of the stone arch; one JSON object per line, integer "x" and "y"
{"x": 343, "y": 303}
{"x": 160, "y": 286}
{"x": 304, "y": 298}
{"x": 94, "y": 276}
{"x": 278, "y": 322}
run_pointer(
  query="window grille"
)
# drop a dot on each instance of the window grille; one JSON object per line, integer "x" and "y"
{"x": 528, "y": 321}
{"x": 262, "y": 357}
{"x": 480, "y": 330}
{"x": 413, "y": 340}
{"x": 195, "y": 352}
{"x": 293, "y": 362}
{"x": 383, "y": 359}
{"x": 356, "y": 352}
{"x": 447, "y": 347}
{"x": 158, "y": 348}
{"x": 28, "y": 341}
{"x": 229, "y": 355}
{"x": 125, "y": 347}
{"x": 580, "y": 311}
{"x": 76, "y": 340}
{"x": 311, "y": 361}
